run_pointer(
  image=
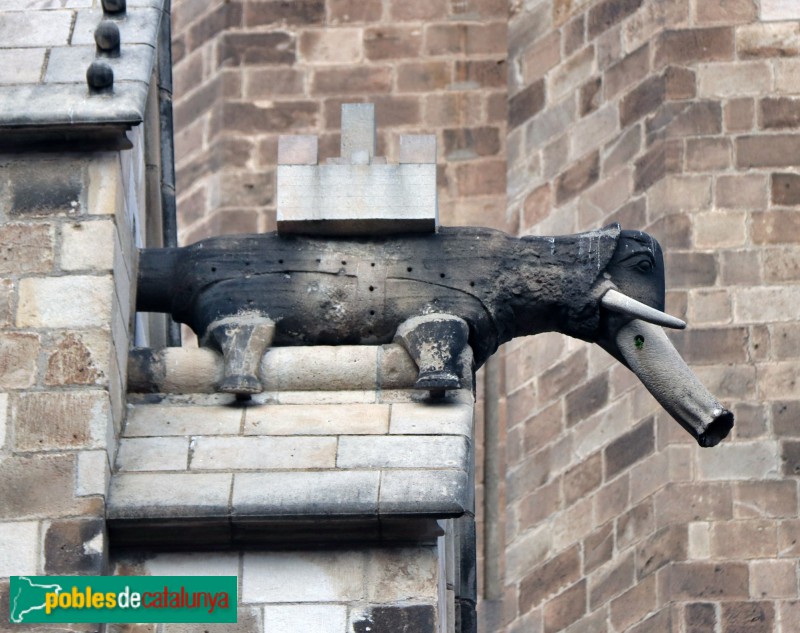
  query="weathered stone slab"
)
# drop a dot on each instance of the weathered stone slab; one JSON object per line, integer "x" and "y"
{"x": 322, "y": 419}
{"x": 144, "y": 421}
{"x": 19, "y": 548}
{"x": 439, "y": 493}
{"x": 356, "y": 199}
{"x": 431, "y": 419}
{"x": 262, "y": 453}
{"x": 314, "y": 494}
{"x": 402, "y": 452}
{"x": 153, "y": 453}
{"x": 53, "y": 479}
{"x": 169, "y": 495}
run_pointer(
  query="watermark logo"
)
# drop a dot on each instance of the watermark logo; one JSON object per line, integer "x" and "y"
{"x": 105, "y": 599}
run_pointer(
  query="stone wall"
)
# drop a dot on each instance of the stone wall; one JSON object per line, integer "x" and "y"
{"x": 65, "y": 322}
{"x": 247, "y": 71}
{"x": 679, "y": 118}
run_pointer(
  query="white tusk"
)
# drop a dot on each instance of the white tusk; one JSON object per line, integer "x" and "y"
{"x": 618, "y": 302}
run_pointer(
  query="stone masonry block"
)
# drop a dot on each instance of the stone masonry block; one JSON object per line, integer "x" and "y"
{"x": 3, "y": 419}
{"x": 53, "y": 479}
{"x": 26, "y": 248}
{"x": 765, "y": 304}
{"x": 58, "y": 420}
{"x": 171, "y": 495}
{"x": 734, "y": 79}
{"x": 18, "y": 356}
{"x": 93, "y": 473}
{"x": 786, "y": 189}
{"x": 749, "y": 539}
{"x": 358, "y": 131}
{"x": 693, "y": 581}
{"x": 768, "y": 40}
{"x": 304, "y": 576}
{"x": 773, "y": 579}
{"x": 402, "y": 452}
{"x": 282, "y": 494}
{"x": 74, "y": 546}
{"x": 74, "y": 240}
{"x": 21, "y": 65}
{"x": 418, "y": 148}
{"x": 357, "y": 198}
{"x": 26, "y": 29}
{"x": 7, "y": 296}
{"x": 774, "y": 150}
{"x": 322, "y": 419}
{"x": 78, "y": 358}
{"x": 105, "y": 194}
{"x": 144, "y": 420}
{"x": 300, "y": 149}
{"x": 422, "y": 419}
{"x": 152, "y": 453}
{"x": 74, "y": 301}
{"x": 19, "y": 548}
{"x": 296, "y": 618}
{"x": 779, "y": 10}
{"x": 331, "y": 46}
{"x": 404, "y": 573}
{"x": 262, "y": 453}
{"x": 751, "y": 460}
{"x": 425, "y": 492}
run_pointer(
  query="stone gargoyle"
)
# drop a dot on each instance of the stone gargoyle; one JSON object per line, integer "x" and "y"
{"x": 433, "y": 293}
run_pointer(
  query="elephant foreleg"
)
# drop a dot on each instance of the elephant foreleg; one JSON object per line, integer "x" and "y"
{"x": 243, "y": 339}
{"x": 435, "y": 343}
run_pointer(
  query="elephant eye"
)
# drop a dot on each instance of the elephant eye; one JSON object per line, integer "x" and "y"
{"x": 645, "y": 266}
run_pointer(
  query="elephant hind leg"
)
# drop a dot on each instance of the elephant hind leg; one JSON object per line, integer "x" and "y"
{"x": 243, "y": 339}
{"x": 435, "y": 343}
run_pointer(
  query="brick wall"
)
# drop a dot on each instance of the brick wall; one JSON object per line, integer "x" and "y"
{"x": 679, "y": 118}
{"x": 247, "y": 71}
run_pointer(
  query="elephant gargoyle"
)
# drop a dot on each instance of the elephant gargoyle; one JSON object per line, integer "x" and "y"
{"x": 434, "y": 294}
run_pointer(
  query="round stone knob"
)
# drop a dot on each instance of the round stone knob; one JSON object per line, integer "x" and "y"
{"x": 114, "y": 6}
{"x": 100, "y": 77}
{"x": 106, "y": 36}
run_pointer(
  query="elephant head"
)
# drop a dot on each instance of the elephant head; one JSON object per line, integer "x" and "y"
{"x": 631, "y": 316}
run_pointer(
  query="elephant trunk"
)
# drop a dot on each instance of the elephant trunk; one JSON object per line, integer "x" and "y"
{"x": 652, "y": 357}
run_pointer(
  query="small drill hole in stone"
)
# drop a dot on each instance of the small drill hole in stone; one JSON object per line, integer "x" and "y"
{"x": 371, "y": 288}
{"x": 441, "y": 275}
{"x": 409, "y": 269}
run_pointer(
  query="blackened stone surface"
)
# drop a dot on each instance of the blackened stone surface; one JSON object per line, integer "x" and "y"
{"x": 46, "y": 193}
{"x": 74, "y": 547}
{"x": 413, "y": 619}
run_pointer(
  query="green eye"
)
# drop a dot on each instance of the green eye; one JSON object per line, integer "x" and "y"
{"x": 638, "y": 341}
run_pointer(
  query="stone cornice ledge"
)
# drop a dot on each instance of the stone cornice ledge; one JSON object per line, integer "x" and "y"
{"x": 58, "y": 110}
{"x": 376, "y": 462}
